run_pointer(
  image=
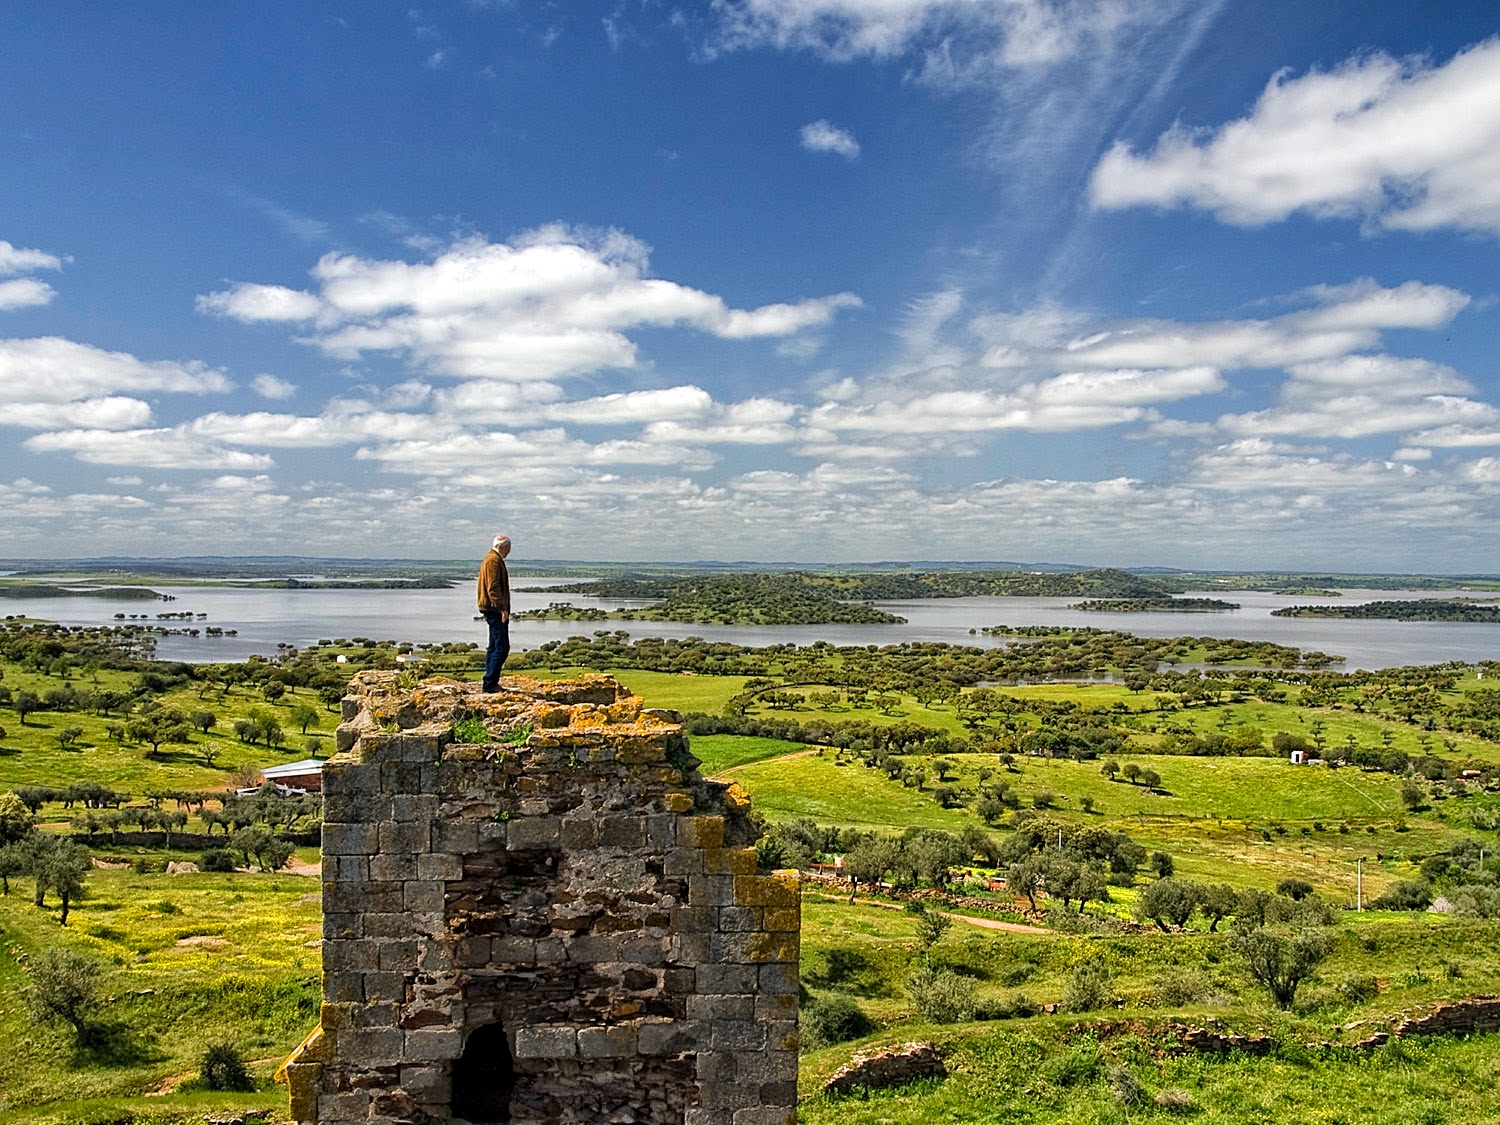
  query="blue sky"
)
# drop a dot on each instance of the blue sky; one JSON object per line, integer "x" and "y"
{"x": 1133, "y": 283}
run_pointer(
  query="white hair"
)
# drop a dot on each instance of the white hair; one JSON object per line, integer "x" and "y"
{"x": 500, "y": 541}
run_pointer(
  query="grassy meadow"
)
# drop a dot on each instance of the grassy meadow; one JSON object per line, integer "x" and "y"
{"x": 233, "y": 956}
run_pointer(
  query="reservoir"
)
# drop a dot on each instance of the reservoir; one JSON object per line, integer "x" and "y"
{"x": 267, "y": 618}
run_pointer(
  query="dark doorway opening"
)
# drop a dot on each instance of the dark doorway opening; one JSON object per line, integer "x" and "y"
{"x": 484, "y": 1078}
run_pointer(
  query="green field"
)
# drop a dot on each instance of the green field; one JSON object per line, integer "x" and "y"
{"x": 189, "y": 959}
{"x": 235, "y": 956}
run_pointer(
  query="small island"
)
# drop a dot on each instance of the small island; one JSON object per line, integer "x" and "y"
{"x": 738, "y": 599}
{"x": 1155, "y": 605}
{"x": 1467, "y": 610}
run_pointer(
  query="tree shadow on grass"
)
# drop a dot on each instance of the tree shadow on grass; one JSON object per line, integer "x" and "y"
{"x": 114, "y": 1043}
{"x": 175, "y": 757}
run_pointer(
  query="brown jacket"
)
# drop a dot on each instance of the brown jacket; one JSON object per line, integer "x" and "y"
{"x": 494, "y": 584}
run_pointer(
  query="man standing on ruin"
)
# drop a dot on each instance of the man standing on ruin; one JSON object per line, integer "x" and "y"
{"x": 494, "y": 606}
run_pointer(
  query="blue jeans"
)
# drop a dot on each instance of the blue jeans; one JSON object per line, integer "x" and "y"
{"x": 499, "y": 649}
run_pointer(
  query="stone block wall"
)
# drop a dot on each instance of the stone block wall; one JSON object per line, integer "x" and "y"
{"x": 558, "y": 922}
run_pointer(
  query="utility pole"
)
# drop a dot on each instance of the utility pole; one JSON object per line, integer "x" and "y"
{"x": 1359, "y": 885}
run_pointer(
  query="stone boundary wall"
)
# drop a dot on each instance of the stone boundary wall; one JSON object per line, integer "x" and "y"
{"x": 559, "y": 922}
{"x": 883, "y": 1067}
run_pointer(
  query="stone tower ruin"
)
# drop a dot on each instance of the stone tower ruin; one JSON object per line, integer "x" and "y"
{"x": 544, "y": 916}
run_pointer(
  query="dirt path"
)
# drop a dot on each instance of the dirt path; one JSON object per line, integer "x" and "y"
{"x": 968, "y": 919}
{"x": 762, "y": 761}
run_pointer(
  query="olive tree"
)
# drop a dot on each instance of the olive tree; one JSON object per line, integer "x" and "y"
{"x": 1282, "y": 959}
{"x": 64, "y": 985}
{"x": 1168, "y": 902}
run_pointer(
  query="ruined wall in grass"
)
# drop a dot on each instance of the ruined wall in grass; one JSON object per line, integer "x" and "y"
{"x": 546, "y": 916}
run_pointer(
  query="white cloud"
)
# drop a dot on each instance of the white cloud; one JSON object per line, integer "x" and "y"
{"x": 533, "y": 459}
{"x": 492, "y": 402}
{"x": 1360, "y": 395}
{"x": 260, "y": 302}
{"x": 1402, "y": 145}
{"x": 51, "y": 369}
{"x": 343, "y": 423}
{"x": 550, "y": 303}
{"x": 1344, "y": 319}
{"x": 272, "y": 387}
{"x": 18, "y": 260}
{"x": 110, "y": 412}
{"x": 166, "y": 448}
{"x": 824, "y": 136}
{"x": 1357, "y": 415}
{"x": 1252, "y": 464}
{"x": 634, "y": 406}
{"x": 1458, "y": 436}
{"x": 24, "y": 292}
{"x": 1070, "y": 401}
{"x": 954, "y": 37}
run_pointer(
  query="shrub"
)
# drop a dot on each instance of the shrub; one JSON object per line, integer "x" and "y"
{"x": 1175, "y": 1100}
{"x": 941, "y": 995}
{"x": 931, "y": 926}
{"x": 1408, "y": 894}
{"x": 833, "y": 1020}
{"x": 1125, "y": 1086}
{"x": 1178, "y": 987}
{"x": 1357, "y": 989}
{"x": 1296, "y": 889}
{"x": 1082, "y": 1063}
{"x": 223, "y": 1068}
{"x": 216, "y": 859}
{"x": 1476, "y": 900}
{"x": 1310, "y": 911}
{"x": 1088, "y": 989}
{"x": 1016, "y": 1007}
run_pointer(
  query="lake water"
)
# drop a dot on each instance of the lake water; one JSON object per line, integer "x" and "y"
{"x": 302, "y": 617}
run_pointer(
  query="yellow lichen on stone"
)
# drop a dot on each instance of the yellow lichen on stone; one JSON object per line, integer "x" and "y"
{"x": 736, "y": 800}
{"x": 330, "y": 1018}
{"x": 783, "y": 919}
{"x": 731, "y": 861}
{"x": 769, "y": 948}
{"x": 302, "y": 1071}
{"x": 626, "y": 710}
{"x": 780, "y": 889}
{"x": 678, "y": 802}
{"x": 705, "y": 832}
